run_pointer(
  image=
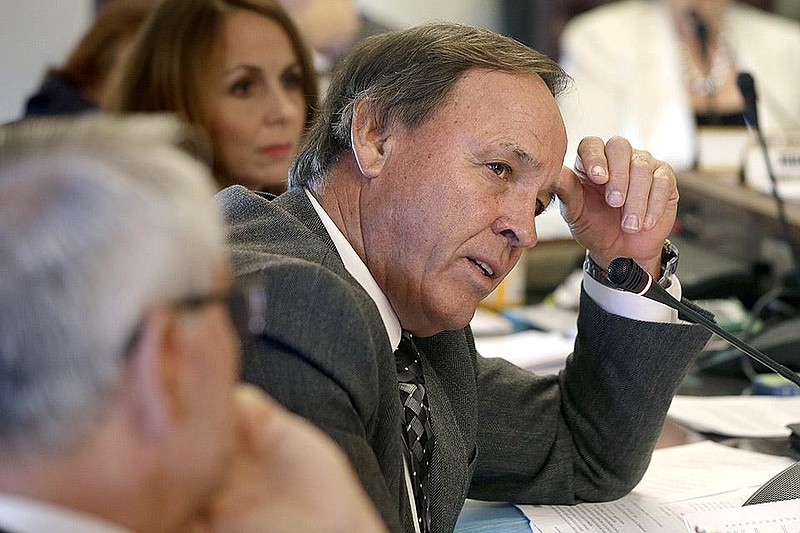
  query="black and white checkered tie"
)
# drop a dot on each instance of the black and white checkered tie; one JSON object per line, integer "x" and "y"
{"x": 417, "y": 432}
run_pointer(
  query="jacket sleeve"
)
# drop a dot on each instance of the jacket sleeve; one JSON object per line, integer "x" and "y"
{"x": 586, "y": 434}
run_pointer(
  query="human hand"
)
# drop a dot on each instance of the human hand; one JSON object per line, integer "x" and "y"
{"x": 619, "y": 202}
{"x": 288, "y": 476}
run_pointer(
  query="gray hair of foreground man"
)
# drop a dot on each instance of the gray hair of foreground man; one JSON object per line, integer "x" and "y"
{"x": 96, "y": 226}
{"x": 404, "y": 77}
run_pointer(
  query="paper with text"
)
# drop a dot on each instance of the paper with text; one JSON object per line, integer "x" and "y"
{"x": 680, "y": 480}
{"x": 773, "y": 517}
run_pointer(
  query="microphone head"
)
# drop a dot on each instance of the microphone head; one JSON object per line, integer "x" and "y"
{"x": 747, "y": 86}
{"x": 628, "y": 276}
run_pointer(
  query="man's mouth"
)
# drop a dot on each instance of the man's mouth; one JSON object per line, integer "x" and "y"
{"x": 485, "y": 268}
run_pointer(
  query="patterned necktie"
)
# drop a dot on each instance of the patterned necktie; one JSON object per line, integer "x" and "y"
{"x": 417, "y": 433}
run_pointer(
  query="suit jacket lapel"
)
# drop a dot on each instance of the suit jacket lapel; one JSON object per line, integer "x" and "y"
{"x": 297, "y": 203}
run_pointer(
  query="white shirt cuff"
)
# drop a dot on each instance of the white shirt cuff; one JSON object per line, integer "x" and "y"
{"x": 633, "y": 306}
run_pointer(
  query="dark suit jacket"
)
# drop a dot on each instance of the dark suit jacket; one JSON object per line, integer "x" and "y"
{"x": 501, "y": 433}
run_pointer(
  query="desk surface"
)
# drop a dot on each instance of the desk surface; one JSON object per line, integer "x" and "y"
{"x": 494, "y": 517}
{"x": 728, "y": 189}
{"x": 726, "y": 192}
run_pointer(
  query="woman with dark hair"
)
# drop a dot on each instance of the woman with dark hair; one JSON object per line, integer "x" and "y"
{"x": 80, "y": 84}
{"x": 239, "y": 69}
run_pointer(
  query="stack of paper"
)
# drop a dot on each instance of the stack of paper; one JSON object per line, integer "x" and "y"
{"x": 773, "y": 517}
{"x": 680, "y": 480}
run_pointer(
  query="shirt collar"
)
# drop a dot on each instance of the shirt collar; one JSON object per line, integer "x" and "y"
{"x": 23, "y": 515}
{"x": 356, "y": 267}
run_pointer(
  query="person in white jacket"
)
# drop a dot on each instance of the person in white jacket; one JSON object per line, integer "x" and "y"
{"x": 653, "y": 70}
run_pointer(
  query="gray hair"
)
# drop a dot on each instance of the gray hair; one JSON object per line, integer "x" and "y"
{"x": 405, "y": 76}
{"x": 100, "y": 220}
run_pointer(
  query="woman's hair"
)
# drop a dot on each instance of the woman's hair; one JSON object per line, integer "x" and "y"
{"x": 91, "y": 61}
{"x": 167, "y": 68}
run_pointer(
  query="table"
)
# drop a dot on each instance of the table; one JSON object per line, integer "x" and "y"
{"x": 734, "y": 220}
{"x": 497, "y": 517}
{"x": 726, "y": 192}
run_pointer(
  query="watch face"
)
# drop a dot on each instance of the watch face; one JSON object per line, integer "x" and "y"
{"x": 669, "y": 258}
{"x": 669, "y": 263}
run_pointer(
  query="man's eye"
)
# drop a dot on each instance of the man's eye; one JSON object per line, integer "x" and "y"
{"x": 541, "y": 206}
{"x": 501, "y": 170}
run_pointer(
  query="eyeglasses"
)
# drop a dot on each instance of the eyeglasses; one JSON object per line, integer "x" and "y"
{"x": 245, "y": 300}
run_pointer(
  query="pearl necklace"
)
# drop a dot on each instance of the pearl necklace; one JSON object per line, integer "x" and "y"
{"x": 705, "y": 86}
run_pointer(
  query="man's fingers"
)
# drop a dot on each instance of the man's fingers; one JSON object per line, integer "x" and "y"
{"x": 618, "y": 155}
{"x": 640, "y": 181}
{"x": 633, "y": 180}
{"x": 591, "y": 161}
{"x": 570, "y": 193}
{"x": 663, "y": 191}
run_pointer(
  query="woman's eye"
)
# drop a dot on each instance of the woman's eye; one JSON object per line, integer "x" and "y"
{"x": 242, "y": 88}
{"x": 501, "y": 170}
{"x": 292, "y": 80}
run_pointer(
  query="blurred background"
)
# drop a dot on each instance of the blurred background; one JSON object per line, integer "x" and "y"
{"x": 37, "y": 34}
{"x": 737, "y": 235}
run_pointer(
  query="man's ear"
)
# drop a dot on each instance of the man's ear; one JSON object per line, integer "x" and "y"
{"x": 154, "y": 363}
{"x": 371, "y": 141}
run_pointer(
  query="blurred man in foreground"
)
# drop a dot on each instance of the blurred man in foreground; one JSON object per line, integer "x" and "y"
{"x": 119, "y": 409}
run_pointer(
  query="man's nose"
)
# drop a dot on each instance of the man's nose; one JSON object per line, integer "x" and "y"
{"x": 519, "y": 230}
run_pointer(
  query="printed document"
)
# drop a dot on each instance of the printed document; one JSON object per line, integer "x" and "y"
{"x": 773, "y": 517}
{"x": 680, "y": 480}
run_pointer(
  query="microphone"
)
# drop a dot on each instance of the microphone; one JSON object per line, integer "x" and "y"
{"x": 747, "y": 86}
{"x": 626, "y": 275}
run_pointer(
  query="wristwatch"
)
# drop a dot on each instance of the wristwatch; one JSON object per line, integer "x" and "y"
{"x": 669, "y": 265}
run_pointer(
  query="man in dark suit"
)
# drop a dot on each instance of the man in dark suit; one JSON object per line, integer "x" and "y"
{"x": 413, "y": 197}
{"x": 119, "y": 404}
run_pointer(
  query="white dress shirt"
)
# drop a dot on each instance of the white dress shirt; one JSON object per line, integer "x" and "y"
{"x": 23, "y": 515}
